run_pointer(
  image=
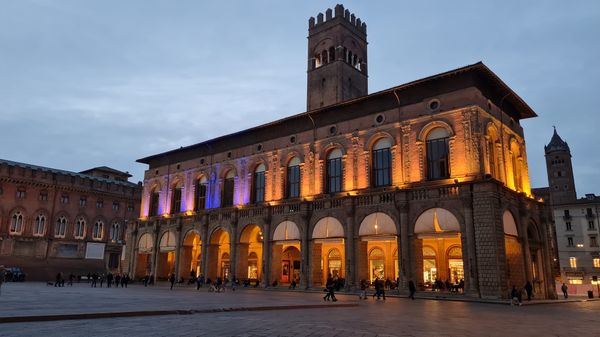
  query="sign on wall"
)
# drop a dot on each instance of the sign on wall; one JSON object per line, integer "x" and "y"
{"x": 95, "y": 251}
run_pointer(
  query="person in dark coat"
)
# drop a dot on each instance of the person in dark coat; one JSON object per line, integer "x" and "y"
{"x": 529, "y": 290}
{"x": 564, "y": 289}
{"x": 515, "y": 296}
{"x": 118, "y": 280}
{"x": 330, "y": 288}
{"x": 412, "y": 289}
{"x": 109, "y": 279}
{"x": 172, "y": 280}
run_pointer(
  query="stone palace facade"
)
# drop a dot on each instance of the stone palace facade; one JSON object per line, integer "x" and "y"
{"x": 427, "y": 180}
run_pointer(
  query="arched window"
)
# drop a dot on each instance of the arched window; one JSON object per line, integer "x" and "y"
{"x": 228, "y": 186}
{"x": 39, "y": 227}
{"x": 331, "y": 54}
{"x": 318, "y": 61}
{"x": 200, "y": 193}
{"x": 79, "y": 229}
{"x": 377, "y": 264}
{"x": 491, "y": 150}
{"x": 324, "y": 57}
{"x": 154, "y": 198}
{"x": 98, "y": 230}
{"x": 114, "y": 232}
{"x": 258, "y": 184}
{"x": 293, "y": 178}
{"x": 176, "y": 200}
{"x": 16, "y": 223}
{"x": 515, "y": 156}
{"x": 381, "y": 165}
{"x": 333, "y": 179}
{"x": 437, "y": 154}
{"x": 61, "y": 227}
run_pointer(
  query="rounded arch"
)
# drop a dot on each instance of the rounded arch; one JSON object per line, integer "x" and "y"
{"x": 436, "y": 220}
{"x": 376, "y": 253}
{"x": 334, "y": 253}
{"x": 328, "y": 227}
{"x": 285, "y": 231}
{"x": 491, "y": 130}
{"x": 331, "y": 147}
{"x": 145, "y": 243}
{"x": 454, "y": 252}
{"x": 377, "y": 223}
{"x": 167, "y": 241}
{"x": 425, "y": 130}
{"x": 515, "y": 146}
{"x": 509, "y": 223}
{"x": 291, "y": 154}
{"x": 533, "y": 233}
{"x": 177, "y": 181}
{"x": 429, "y": 252}
{"x": 250, "y": 233}
{"x": 220, "y": 235}
{"x": 228, "y": 171}
{"x": 18, "y": 209}
{"x": 154, "y": 185}
{"x": 190, "y": 236}
{"x": 377, "y": 137}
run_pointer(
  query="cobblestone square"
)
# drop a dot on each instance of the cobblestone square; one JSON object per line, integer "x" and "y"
{"x": 393, "y": 317}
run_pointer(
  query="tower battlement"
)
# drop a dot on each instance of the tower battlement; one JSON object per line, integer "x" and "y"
{"x": 340, "y": 13}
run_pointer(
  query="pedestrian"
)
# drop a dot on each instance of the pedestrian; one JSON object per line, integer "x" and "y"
{"x": 58, "y": 279}
{"x": 293, "y": 285}
{"x": 330, "y": 288}
{"x": 125, "y": 280}
{"x": 2, "y": 277}
{"x": 151, "y": 280}
{"x": 94, "y": 280}
{"x": 515, "y": 297}
{"x": 564, "y": 289}
{"x": 529, "y": 290}
{"x": 363, "y": 290}
{"x": 146, "y": 279}
{"x": 199, "y": 282}
{"x": 109, "y": 279}
{"x": 118, "y": 280}
{"x": 172, "y": 280}
{"x": 71, "y": 278}
{"x": 412, "y": 289}
{"x": 89, "y": 277}
{"x": 381, "y": 289}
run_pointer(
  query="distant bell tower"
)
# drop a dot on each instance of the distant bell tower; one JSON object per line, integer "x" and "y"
{"x": 337, "y": 58}
{"x": 560, "y": 171}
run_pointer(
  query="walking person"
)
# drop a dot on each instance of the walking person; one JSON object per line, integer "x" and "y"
{"x": 71, "y": 278}
{"x": 377, "y": 289}
{"x": 172, "y": 280}
{"x": 564, "y": 289}
{"x": 118, "y": 279}
{"x": 515, "y": 297}
{"x": 109, "y": 279}
{"x": 381, "y": 289}
{"x": 101, "y": 280}
{"x": 412, "y": 289}
{"x": 363, "y": 290}
{"x": 529, "y": 290}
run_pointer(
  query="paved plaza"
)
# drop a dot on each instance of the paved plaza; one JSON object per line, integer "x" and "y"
{"x": 394, "y": 317}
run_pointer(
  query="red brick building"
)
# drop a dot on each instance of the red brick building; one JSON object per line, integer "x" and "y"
{"x": 60, "y": 221}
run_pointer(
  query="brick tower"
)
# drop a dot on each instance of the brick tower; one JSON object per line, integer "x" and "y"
{"x": 560, "y": 171}
{"x": 337, "y": 58}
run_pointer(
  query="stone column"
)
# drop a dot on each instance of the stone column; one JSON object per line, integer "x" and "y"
{"x": 204, "y": 249}
{"x": 523, "y": 237}
{"x": 305, "y": 264}
{"x": 469, "y": 255}
{"x": 155, "y": 250}
{"x": 266, "y": 257}
{"x": 316, "y": 273}
{"x": 242, "y": 261}
{"x": 233, "y": 243}
{"x": 350, "y": 254}
{"x": 404, "y": 255}
{"x": 489, "y": 239}
{"x": 177, "y": 261}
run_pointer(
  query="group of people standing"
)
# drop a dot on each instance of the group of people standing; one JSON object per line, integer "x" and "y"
{"x": 110, "y": 278}
{"x": 516, "y": 295}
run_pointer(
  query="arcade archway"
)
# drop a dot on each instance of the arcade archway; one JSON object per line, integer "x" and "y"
{"x": 438, "y": 240}
{"x": 166, "y": 256}
{"x": 250, "y": 250}
{"x": 219, "y": 251}
{"x": 327, "y": 251}
{"x": 143, "y": 264}
{"x": 190, "y": 259}
{"x": 378, "y": 242}
{"x": 285, "y": 258}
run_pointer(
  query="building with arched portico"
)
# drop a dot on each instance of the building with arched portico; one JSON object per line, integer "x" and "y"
{"x": 427, "y": 180}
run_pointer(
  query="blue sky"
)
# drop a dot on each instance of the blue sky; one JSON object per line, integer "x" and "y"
{"x": 91, "y": 83}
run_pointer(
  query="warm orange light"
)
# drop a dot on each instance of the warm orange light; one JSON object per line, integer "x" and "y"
{"x": 188, "y": 213}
